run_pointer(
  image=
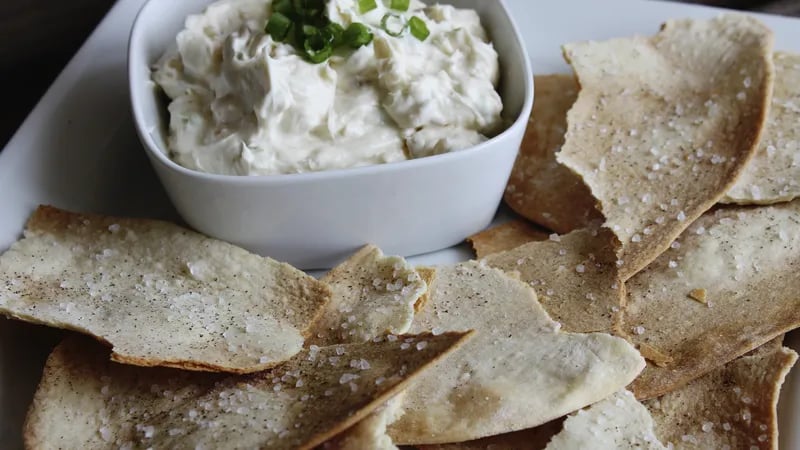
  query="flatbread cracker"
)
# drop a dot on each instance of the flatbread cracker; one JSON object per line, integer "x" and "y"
{"x": 664, "y": 125}
{"x": 507, "y": 236}
{"x": 774, "y": 173}
{"x": 370, "y": 433}
{"x": 735, "y": 406}
{"x": 373, "y": 295}
{"x": 618, "y": 422}
{"x": 530, "y": 439}
{"x": 540, "y": 188}
{"x": 157, "y": 293}
{"x": 747, "y": 261}
{"x": 519, "y": 371}
{"x": 86, "y": 401}
{"x": 574, "y": 276}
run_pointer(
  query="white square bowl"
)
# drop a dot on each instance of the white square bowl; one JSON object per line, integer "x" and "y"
{"x": 314, "y": 220}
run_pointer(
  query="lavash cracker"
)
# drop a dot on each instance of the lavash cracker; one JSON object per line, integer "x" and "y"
{"x": 540, "y": 188}
{"x": 574, "y": 276}
{"x": 85, "y": 401}
{"x": 157, "y": 293}
{"x": 505, "y": 237}
{"x": 664, "y": 125}
{"x": 734, "y": 406}
{"x": 373, "y": 295}
{"x": 746, "y": 261}
{"x": 370, "y": 433}
{"x": 773, "y": 175}
{"x": 524, "y": 370}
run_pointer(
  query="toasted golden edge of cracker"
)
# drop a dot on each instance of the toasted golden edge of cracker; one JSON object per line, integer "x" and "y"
{"x": 505, "y": 237}
{"x": 428, "y": 275}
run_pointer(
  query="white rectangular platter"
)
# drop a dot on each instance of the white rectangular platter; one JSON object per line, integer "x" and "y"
{"x": 78, "y": 150}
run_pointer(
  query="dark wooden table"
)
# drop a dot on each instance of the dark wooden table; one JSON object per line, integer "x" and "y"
{"x": 38, "y": 37}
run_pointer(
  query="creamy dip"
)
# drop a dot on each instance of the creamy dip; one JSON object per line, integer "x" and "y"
{"x": 244, "y": 104}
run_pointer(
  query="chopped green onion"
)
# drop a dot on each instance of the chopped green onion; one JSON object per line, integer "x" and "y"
{"x": 317, "y": 48}
{"x": 393, "y": 24}
{"x": 418, "y": 28}
{"x": 333, "y": 33}
{"x": 399, "y": 5}
{"x": 278, "y": 26}
{"x": 309, "y": 8}
{"x": 365, "y": 6}
{"x": 309, "y": 30}
{"x": 357, "y": 35}
{"x": 283, "y": 6}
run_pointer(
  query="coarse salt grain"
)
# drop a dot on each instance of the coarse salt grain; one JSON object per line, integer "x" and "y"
{"x": 636, "y": 238}
{"x": 638, "y": 330}
{"x": 707, "y": 427}
{"x": 672, "y": 264}
{"x": 421, "y": 345}
{"x": 681, "y": 216}
{"x": 105, "y": 433}
{"x": 555, "y": 237}
{"x": 580, "y": 268}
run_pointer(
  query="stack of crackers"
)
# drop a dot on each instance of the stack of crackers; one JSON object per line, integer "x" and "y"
{"x": 640, "y": 303}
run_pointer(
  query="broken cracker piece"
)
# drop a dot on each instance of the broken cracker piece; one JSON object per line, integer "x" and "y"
{"x": 530, "y": 439}
{"x": 664, "y": 125}
{"x": 773, "y": 175}
{"x": 159, "y": 294}
{"x": 540, "y": 188}
{"x": 507, "y": 236}
{"x": 373, "y": 295}
{"x": 575, "y": 278}
{"x": 522, "y": 368}
{"x": 616, "y": 423}
{"x": 370, "y": 433}
{"x": 747, "y": 259}
{"x": 734, "y": 406}
{"x": 86, "y": 401}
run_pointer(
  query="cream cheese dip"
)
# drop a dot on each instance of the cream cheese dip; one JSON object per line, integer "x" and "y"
{"x": 245, "y": 104}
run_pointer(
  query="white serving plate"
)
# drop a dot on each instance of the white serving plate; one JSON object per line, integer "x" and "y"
{"x": 78, "y": 150}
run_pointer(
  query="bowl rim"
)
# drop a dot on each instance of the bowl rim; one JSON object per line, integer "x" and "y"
{"x": 157, "y": 155}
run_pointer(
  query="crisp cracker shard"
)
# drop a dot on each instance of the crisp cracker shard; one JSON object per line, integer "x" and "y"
{"x": 86, "y": 401}
{"x": 159, "y": 294}
{"x": 507, "y": 236}
{"x": 370, "y": 433}
{"x": 664, "y": 125}
{"x": 773, "y": 175}
{"x": 530, "y": 439}
{"x": 574, "y": 275}
{"x": 734, "y": 406}
{"x": 521, "y": 368}
{"x": 747, "y": 260}
{"x": 618, "y": 422}
{"x": 373, "y": 295}
{"x": 540, "y": 188}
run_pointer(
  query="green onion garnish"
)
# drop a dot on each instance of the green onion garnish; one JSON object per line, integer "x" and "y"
{"x": 317, "y": 48}
{"x": 399, "y": 5}
{"x": 283, "y": 6}
{"x": 333, "y": 33}
{"x": 365, "y": 6}
{"x": 357, "y": 35}
{"x": 393, "y": 24}
{"x": 309, "y": 8}
{"x": 278, "y": 26}
{"x": 418, "y": 28}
